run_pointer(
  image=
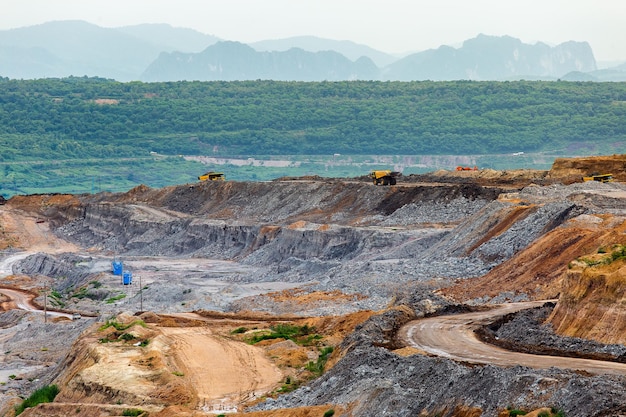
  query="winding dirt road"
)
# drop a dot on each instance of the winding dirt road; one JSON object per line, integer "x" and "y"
{"x": 453, "y": 337}
{"x": 23, "y": 301}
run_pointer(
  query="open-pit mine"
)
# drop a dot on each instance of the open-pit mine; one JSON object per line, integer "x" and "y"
{"x": 457, "y": 293}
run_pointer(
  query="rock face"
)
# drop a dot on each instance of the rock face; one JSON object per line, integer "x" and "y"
{"x": 592, "y": 301}
{"x": 576, "y": 168}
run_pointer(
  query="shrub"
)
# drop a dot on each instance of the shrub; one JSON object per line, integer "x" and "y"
{"x": 132, "y": 412}
{"x": 42, "y": 395}
{"x": 329, "y": 413}
{"x": 116, "y": 298}
{"x": 317, "y": 367}
{"x": 302, "y": 335}
{"x": 119, "y": 326}
{"x": 515, "y": 412}
{"x": 557, "y": 412}
{"x": 239, "y": 330}
{"x": 289, "y": 385}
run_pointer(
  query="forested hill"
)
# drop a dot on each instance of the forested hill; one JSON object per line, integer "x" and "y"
{"x": 91, "y": 117}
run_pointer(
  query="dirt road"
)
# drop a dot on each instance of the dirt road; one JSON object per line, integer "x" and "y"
{"x": 453, "y": 337}
{"x": 23, "y": 301}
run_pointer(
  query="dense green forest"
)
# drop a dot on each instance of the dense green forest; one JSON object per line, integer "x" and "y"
{"x": 82, "y": 119}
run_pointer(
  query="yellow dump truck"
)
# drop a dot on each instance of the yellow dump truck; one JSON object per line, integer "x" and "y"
{"x": 212, "y": 176}
{"x": 599, "y": 177}
{"x": 384, "y": 177}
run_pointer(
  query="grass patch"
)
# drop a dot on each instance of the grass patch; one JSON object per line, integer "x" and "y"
{"x": 80, "y": 293}
{"x": 302, "y": 335}
{"x": 56, "y": 299}
{"x": 614, "y": 253}
{"x": 239, "y": 330}
{"x": 120, "y": 326}
{"x": 133, "y": 412}
{"x": 317, "y": 367}
{"x": 116, "y": 298}
{"x": 120, "y": 335}
{"x": 42, "y": 395}
{"x": 127, "y": 337}
{"x": 288, "y": 386}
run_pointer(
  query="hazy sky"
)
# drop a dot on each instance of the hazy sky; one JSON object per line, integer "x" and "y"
{"x": 390, "y": 25}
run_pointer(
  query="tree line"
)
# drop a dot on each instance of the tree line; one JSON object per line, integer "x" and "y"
{"x": 80, "y": 117}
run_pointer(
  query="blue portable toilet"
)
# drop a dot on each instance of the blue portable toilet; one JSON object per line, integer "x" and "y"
{"x": 127, "y": 278}
{"x": 117, "y": 267}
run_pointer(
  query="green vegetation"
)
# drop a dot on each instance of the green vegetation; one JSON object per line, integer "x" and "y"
{"x": 116, "y": 298}
{"x": 91, "y": 134}
{"x": 302, "y": 335}
{"x": 516, "y": 412}
{"x": 56, "y": 299}
{"x": 42, "y": 395}
{"x": 120, "y": 326}
{"x": 614, "y": 253}
{"x": 127, "y": 337}
{"x": 133, "y": 412}
{"x": 288, "y": 386}
{"x": 317, "y": 367}
{"x": 329, "y": 413}
{"x": 120, "y": 335}
{"x": 239, "y": 330}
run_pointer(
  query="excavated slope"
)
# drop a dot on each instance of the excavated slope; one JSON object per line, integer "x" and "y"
{"x": 573, "y": 169}
{"x": 538, "y": 271}
{"x": 593, "y": 299}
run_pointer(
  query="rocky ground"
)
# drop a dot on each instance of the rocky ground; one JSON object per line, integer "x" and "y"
{"x": 323, "y": 248}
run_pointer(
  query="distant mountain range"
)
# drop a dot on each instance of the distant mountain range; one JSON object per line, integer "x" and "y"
{"x": 159, "y": 52}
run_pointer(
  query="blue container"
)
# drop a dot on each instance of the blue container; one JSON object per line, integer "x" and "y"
{"x": 127, "y": 278}
{"x": 117, "y": 267}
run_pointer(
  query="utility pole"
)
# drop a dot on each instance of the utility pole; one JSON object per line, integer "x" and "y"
{"x": 140, "y": 295}
{"x": 45, "y": 303}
